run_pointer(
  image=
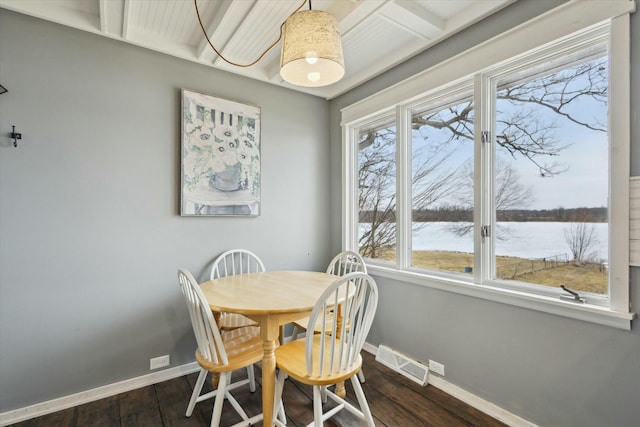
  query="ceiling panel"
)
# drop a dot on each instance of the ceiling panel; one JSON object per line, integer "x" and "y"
{"x": 376, "y": 34}
{"x": 259, "y": 29}
{"x": 368, "y": 44}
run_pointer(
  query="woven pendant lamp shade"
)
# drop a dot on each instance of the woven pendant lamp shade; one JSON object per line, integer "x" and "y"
{"x": 311, "y": 50}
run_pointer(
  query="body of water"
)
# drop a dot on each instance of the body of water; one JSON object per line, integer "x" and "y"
{"x": 520, "y": 239}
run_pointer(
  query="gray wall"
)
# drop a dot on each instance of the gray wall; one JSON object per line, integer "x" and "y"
{"x": 547, "y": 369}
{"x": 90, "y": 235}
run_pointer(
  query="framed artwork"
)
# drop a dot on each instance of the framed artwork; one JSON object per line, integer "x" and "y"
{"x": 220, "y": 157}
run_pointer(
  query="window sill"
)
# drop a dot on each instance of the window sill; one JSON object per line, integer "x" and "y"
{"x": 585, "y": 312}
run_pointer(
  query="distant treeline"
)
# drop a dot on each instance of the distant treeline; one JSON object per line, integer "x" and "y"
{"x": 452, "y": 214}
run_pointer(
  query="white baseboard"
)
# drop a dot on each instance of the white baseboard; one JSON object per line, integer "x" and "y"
{"x": 76, "y": 399}
{"x": 65, "y": 402}
{"x": 469, "y": 398}
{"x": 369, "y": 348}
{"x": 33, "y": 411}
{"x": 479, "y": 403}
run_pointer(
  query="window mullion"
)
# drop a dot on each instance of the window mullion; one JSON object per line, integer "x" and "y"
{"x": 403, "y": 187}
{"x": 349, "y": 188}
{"x": 619, "y": 146}
{"x": 484, "y": 155}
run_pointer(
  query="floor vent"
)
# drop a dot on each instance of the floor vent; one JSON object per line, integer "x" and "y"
{"x": 410, "y": 368}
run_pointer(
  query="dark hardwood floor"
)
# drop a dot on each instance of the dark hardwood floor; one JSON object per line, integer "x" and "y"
{"x": 394, "y": 400}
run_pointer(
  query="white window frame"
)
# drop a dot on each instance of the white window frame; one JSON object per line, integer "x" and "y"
{"x": 564, "y": 26}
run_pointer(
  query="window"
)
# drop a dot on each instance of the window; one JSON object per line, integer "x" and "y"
{"x": 377, "y": 190}
{"x": 496, "y": 183}
{"x": 551, "y": 173}
{"x": 442, "y": 185}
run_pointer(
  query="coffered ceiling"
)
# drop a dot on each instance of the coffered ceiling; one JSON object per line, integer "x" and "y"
{"x": 376, "y": 34}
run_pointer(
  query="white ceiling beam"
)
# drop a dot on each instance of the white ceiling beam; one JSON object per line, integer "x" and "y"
{"x": 112, "y": 17}
{"x": 409, "y": 16}
{"x": 127, "y": 19}
{"x": 351, "y": 14}
{"x": 223, "y": 24}
{"x": 258, "y": 30}
{"x": 475, "y": 12}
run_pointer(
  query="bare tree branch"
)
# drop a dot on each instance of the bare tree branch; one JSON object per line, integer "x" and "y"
{"x": 521, "y": 130}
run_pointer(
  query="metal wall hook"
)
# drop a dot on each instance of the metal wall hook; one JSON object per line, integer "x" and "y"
{"x": 15, "y": 136}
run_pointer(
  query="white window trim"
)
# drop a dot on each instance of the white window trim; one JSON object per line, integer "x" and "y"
{"x": 562, "y": 22}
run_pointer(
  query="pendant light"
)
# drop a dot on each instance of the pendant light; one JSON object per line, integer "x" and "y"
{"x": 311, "y": 49}
{"x": 311, "y": 53}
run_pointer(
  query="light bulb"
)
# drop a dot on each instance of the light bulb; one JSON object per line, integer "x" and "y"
{"x": 311, "y": 57}
{"x": 313, "y": 76}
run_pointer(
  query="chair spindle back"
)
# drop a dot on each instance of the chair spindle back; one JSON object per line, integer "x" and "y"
{"x": 236, "y": 261}
{"x": 204, "y": 326}
{"x": 341, "y": 337}
{"x": 346, "y": 262}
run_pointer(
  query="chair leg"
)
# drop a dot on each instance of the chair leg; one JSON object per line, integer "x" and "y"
{"x": 317, "y": 405}
{"x": 196, "y": 391}
{"x": 217, "y": 405}
{"x": 362, "y": 401}
{"x": 215, "y": 377}
{"x": 252, "y": 378}
{"x": 361, "y": 376}
{"x": 236, "y": 405}
{"x": 278, "y": 407}
{"x": 282, "y": 414}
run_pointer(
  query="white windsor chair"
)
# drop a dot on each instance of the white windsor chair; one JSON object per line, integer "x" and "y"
{"x": 219, "y": 353}
{"x": 232, "y": 262}
{"x": 344, "y": 263}
{"x": 332, "y": 355}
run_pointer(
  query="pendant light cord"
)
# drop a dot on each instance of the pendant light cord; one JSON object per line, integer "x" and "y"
{"x": 195, "y": 2}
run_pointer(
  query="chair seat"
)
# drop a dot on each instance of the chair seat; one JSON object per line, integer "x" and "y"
{"x": 230, "y": 321}
{"x": 243, "y": 347}
{"x": 290, "y": 358}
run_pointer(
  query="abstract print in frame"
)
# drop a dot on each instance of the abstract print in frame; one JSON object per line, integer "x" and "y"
{"x": 220, "y": 157}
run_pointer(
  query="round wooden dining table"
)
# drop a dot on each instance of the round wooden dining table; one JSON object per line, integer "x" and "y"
{"x": 272, "y": 299}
